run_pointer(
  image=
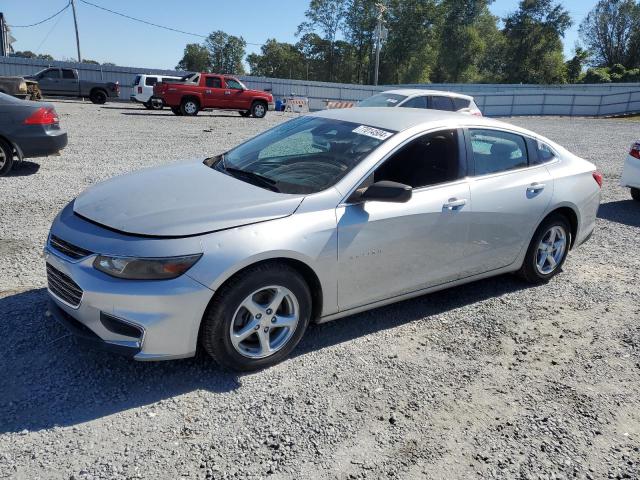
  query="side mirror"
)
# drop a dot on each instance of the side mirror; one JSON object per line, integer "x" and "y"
{"x": 386, "y": 191}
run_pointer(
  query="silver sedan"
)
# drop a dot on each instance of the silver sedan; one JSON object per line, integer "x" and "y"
{"x": 318, "y": 218}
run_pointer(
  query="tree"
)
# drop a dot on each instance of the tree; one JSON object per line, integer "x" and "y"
{"x": 327, "y": 17}
{"x": 279, "y": 60}
{"x": 576, "y": 64}
{"x": 610, "y": 30}
{"x": 226, "y": 52}
{"x": 359, "y": 30}
{"x": 195, "y": 59}
{"x": 461, "y": 44}
{"x": 534, "y": 52}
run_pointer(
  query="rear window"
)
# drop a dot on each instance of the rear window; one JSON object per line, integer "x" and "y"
{"x": 137, "y": 80}
{"x": 68, "y": 74}
{"x": 441, "y": 103}
{"x": 150, "y": 81}
{"x": 382, "y": 100}
{"x": 213, "y": 82}
{"x": 460, "y": 103}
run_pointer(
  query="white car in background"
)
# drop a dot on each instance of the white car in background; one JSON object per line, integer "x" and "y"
{"x": 427, "y": 99}
{"x": 631, "y": 171}
{"x": 143, "y": 90}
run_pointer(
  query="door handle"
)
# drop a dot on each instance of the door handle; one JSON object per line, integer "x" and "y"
{"x": 536, "y": 187}
{"x": 454, "y": 204}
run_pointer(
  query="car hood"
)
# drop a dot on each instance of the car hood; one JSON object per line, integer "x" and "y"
{"x": 180, "y": 200}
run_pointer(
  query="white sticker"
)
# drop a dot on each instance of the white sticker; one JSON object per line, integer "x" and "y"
{"x": 372, "y": 132}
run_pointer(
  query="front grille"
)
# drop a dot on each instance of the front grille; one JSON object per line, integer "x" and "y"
{"x": 68, "y": 249}
{"x": 63, "y": 286}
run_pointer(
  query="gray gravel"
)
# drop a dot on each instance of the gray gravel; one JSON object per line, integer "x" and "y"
{"x": 490, "y": 380}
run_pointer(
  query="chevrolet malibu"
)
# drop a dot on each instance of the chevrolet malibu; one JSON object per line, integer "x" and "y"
{"x": 318, "y": 218}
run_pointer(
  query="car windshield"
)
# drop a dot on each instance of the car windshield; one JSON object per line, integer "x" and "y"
{"x": 382, "y": 100}
{"x": 305, "y": 155}
{"x": 234, "y": 83}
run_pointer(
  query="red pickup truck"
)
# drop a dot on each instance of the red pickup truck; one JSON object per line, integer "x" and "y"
{"x": 201, "y": 91}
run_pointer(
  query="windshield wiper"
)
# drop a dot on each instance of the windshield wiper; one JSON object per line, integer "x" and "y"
{"x": 256, "y": 177}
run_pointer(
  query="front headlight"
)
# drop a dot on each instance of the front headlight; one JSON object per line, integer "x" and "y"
{"x": 145, "y": 268}
{"x": 23, "y": 87}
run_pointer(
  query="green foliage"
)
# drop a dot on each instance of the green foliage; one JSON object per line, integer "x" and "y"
{"x": 533, "y": 51}
{"x": 612, "y": 31}
{"x": 576, "y": 64}
{"x": 617, "y": 73}
{"x": 195, "y": 59}
{"x": 279, "y": 60}
{"x": 226, "y": 52}
{"x": 30, "y": 54}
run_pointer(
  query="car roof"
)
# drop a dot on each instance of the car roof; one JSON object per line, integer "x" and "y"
{"x": 410, "y": 92}
{"x": 400, "y": 119}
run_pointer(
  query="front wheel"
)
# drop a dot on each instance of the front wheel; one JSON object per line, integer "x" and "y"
{"x": 99, "y": 97}
{"x": 6, "y": 158}
{"x": 635, "y": 194}
{"x": 259, "y": 109}
{"x": 257, "y": 318}
{"x": 547, "y": 251}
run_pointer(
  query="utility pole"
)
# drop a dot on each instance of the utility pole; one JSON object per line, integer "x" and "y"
{"x": 75, "y": 22}
{"x": 4, "y": 48}
{"x": 381, "y": 9}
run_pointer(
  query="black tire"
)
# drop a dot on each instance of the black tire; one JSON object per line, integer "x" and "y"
{"x": 530, "y": 270}
{"x": 635, "y": 194}
{"x": 189, "y": 107}
{"x": 215, "y": 333}
{"x": 176, "y": 111}
{"x": 156, "y": 103}
{"x": 259, "y": 109}
{"x": 99, "y": 97}
{"x": 245, "y": 113}
{"x": 6, "y": 158}
{"x": 147, "y": 105}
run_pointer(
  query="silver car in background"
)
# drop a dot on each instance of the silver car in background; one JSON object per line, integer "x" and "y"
{"x": 321, "y": 217}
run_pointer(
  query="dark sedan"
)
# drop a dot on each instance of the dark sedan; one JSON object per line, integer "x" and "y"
{"x": 27, "y": 129}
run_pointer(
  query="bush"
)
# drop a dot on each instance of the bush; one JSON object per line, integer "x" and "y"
{"x": 597, "y": 75}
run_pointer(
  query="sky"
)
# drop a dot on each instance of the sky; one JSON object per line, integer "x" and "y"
{"x": 106, "y": 37}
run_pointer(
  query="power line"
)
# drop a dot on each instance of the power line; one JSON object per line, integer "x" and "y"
{"x": 48, "y": 33}
{"x": 45, "y": 20}
{"x": 154, "y": 24}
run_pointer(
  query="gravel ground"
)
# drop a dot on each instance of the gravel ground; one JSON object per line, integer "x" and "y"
{"x": 494, "y": 379}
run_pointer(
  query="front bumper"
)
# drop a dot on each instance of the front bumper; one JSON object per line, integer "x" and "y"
{"x": 163, "y": 315}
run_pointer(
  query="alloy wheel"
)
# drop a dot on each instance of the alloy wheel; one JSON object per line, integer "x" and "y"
{"x": 3, "y": 159}
{"x": 259, "y": 111}
{"x": 190, "y": 108}
{"x": 264, "y": 322}
{"x": 551, "y": 250}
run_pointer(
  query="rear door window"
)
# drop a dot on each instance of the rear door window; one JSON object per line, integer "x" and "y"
{"x": 416, "y": 102}
{"x": 545, "y": 153}
{"x": 68, "y": 74}
{"x": 497, "y": 151}
{"x": 150, "y": 81}
{"x": 213, "y": 82}
{"x": 441, "y": 103}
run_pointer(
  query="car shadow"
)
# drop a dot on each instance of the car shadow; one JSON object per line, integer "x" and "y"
{"x": 124, "y": 107}
{"x": 626, "y": 212}
{"x": 200, "y": 115}
{"x": 51, "y": 379}
{"x": 416, "y": 309}
{"x": 24, "y": 168}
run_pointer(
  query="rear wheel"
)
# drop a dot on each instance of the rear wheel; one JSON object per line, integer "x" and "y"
{"x": 189, "y": 107}
{"x": 257, "y": 318}
{"x": 6, "y": 158}
{"x": 547, "y": 251}
{"x": 176, "y": 111}
{"x": 635, "y": 194}
{"x": 99, "y": 97}
{"x": 259, "y": 109}
{"x": 156, "y": 103}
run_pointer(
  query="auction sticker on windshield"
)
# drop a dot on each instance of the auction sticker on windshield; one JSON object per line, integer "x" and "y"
{"x": 372, "y": 132}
